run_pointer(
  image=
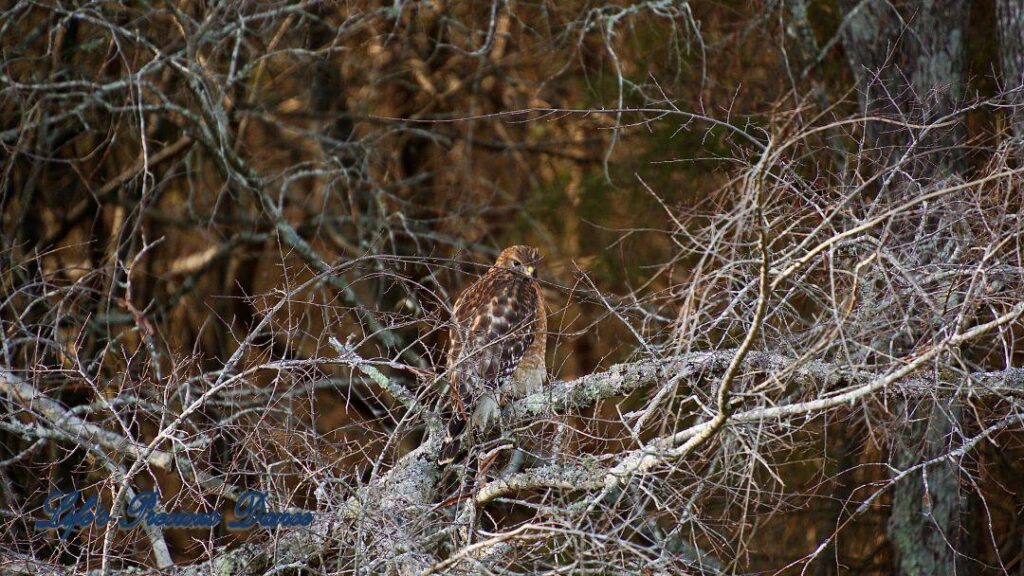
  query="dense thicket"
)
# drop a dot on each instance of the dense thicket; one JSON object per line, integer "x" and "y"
{"x": 783, "y": 267}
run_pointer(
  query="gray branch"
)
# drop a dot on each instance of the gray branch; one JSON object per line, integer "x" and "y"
{"x": 393, "y": 521}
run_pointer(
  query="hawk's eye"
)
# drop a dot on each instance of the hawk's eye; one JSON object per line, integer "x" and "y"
{"x": 517, "y": 263}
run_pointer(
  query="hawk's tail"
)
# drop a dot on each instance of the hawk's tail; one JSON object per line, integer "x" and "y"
{"x": 452, "y": 441}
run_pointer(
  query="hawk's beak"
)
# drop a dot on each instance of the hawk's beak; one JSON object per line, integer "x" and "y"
{"x": 530, "y": 270}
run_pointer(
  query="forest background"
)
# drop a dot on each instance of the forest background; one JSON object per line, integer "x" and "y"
{"x": 782, "y": 264}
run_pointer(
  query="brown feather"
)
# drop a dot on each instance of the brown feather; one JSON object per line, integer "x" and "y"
{"x": 498, "y": 338}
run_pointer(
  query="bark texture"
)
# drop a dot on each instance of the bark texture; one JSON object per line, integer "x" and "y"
{"x": 1010, "y": 14}
{"x": 909, "y": 61}
{"x": 909, "y": 65}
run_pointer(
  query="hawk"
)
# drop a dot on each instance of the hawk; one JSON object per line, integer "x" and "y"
{"x": 497, "y": 343}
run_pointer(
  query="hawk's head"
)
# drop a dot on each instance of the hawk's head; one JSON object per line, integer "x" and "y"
{"x": 522, "y": 259}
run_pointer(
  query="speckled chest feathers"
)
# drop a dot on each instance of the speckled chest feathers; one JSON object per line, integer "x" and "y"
{"x": 497, "y": 344}
{"x": 498, "y": 341}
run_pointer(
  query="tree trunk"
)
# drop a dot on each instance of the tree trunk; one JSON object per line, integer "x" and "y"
{"x": 1010, "y": 14}
{"x": 909, "y": 67}
{"x": 929, "y": 522}
{"x": 909, "y": 61}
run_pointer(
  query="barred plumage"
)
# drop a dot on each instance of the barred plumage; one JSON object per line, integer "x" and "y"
{"x": 498, "y": 339}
